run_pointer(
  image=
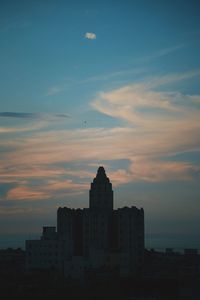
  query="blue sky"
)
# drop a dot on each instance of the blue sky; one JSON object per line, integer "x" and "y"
{"x": 89, "y": 83}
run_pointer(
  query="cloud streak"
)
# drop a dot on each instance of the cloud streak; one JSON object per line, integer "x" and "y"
{"x": 18, "y": 115}
{"x": 25, "y": 115}
{"x": 52, "y": 189}
{"x": 142, "y": 105}
{"x": 71, "y": 83}
{"x": 155, "y": 125}
{"x": 160, "y": 53}
{"x": 36, "y": 121}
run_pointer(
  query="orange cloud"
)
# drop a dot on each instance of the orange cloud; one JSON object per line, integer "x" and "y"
{"x": 37, "y": 157}
{"x": 26, "y": 193}
{"x": 49, "y": 190}
{"x": 157, "y": 125}
{"x": 65, "y": 185}
{"x": 157, "y": 171}
{"x": 138, "y": 104}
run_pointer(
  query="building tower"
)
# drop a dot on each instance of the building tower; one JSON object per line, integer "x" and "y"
{"x": 101, "y": 193}
{"x": 92, "y": 239}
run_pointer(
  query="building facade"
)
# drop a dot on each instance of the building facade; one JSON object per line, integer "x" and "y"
{"x": 97, "y": 238}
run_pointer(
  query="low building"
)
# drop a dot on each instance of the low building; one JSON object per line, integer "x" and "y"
{"x": 12, "y": 260}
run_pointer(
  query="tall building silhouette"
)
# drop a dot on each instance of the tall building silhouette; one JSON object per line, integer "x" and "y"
{"x": 97, "y": 238}
{"x": 101, "y": 193}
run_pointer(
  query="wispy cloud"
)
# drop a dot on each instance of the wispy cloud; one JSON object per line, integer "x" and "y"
{"x": 156, "y": 126}
{"x": 171, "y": 78}
{"x": 52, "y": 189}
{"x": 142, "y": 147}
{"x": 160, "y": 53}
{"x": 20, "y": 129}
{"x": 72, "y": 83}
{"x": 90, "y": 36}
{"x": 36, "y": 121}
{"x": 18, "y": 115}
{"x": 24, "y": 193}
{"x": 56, "y": 89}
{"x": 140, "y": 104}
{"x": 145, "y": 169}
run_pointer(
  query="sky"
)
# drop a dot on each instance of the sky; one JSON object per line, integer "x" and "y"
{"x": 91, "y": 83}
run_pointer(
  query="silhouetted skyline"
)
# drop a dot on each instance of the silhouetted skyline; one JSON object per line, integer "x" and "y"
{"x": 91, "y": 83}
{"x": 92, "y": 239}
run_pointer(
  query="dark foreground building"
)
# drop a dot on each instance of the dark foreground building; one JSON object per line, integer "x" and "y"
{"x": 96, "y": 239}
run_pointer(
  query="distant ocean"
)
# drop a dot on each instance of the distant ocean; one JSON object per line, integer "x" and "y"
{"x": 178, "y": 242}
{"x": 16, "y": 240}
{"x": 156, "y": 241}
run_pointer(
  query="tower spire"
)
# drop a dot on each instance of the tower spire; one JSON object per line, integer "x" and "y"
{"x": 101, "y": 193}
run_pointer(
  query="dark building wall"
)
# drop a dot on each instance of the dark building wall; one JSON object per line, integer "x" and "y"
{"x": 12, "y": 259}
{"x": 70, "y": 228}
{"x": 131, "y": 236}
{"x": 77, "y": 232}
{"x": 114, "y": 232}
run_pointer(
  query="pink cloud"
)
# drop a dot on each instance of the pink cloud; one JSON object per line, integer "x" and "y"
{"x": 26, "y": 193}
{"x": 146, "y": 138}
{"x": 51, "y": 189}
